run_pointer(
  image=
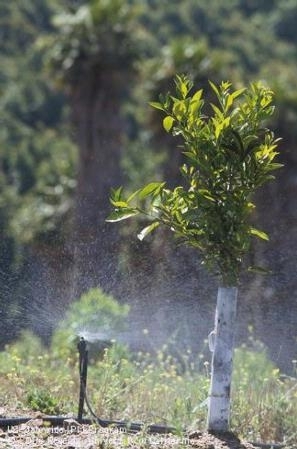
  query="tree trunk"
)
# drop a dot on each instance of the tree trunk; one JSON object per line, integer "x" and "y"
{"x": 96, "y": 104}
{"x": 221, "y": 373}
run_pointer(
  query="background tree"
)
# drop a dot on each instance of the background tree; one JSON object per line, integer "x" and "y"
{"x": 94, "y": 55}
{"x": 36, "y": 168}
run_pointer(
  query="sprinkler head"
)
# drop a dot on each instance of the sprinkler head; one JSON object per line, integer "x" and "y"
{"x": 82, "y": 346}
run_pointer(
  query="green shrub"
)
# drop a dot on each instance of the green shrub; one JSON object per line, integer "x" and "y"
{"x": 96, "y": 316}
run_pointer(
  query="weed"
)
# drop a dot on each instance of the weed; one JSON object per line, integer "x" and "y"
{"x": 43, "y": 401}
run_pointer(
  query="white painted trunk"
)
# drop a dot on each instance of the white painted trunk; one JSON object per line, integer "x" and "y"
{"x": 221, "y": 371}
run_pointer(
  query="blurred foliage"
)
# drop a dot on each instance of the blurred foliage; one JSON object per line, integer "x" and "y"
{"x": 96, "y": 316}
{"x": 37, "y": 157}
{"x": 102, "y": 35}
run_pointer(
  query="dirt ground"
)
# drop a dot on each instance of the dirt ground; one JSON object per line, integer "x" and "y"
{"x": 36, "y": 434}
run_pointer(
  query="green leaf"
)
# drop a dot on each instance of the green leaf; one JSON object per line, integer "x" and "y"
{"x": 116, "y": 194}
{"x": 121, "y": 214}
{"x": 167, "y": 123}
{"x": 133, "y": 195}
{"x": 119, "y": 204}
{"x": 179, "y": 109}
{"x": 183, "y": 85}
{"x": 184, "y": 89}
{"x": 197, "y": 95}
{"x": 206, "y": 194}
{"x": 192, "y": 158}
{"x": 274, "y": 166}
{"x": 156, "y": 105}
{"x": 215, "y": 89}
{"x": 229, "y": 102}
{"x": 147, "y": 230}
{"x": 219, "y": 126}
{"x": 149, "y": 189}
{"x": 238, "y": 92}
{"x": 257, "y": 269}
{"x": 195, "y": 107}
{"x": 262, "y": 235}
{"x": 250, "y": 205}
{"x": 238, "y": 139}
{"x": 217, "y": 111}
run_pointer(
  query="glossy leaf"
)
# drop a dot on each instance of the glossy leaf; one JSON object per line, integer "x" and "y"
{"x": 116, "y": 193}
{"x": 150, "y": 188}
{"x": 179, "y": 109}
{"x": 156, "y": 105}
{"x": 197, "y": 95}
{"x": 121, "y": 214}
{"x": 238, "y": 92}
{"x": 147, "y": 230}
{"x": 214, "y": 88}
{"x": 119, "y": 204}
{"x": 259, "y": 270}
{"x": 262, "y": 235}
{"x": 168, "y": 123}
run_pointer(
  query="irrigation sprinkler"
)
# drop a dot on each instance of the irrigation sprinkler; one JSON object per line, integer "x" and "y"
{"x": 83, "y": 399}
